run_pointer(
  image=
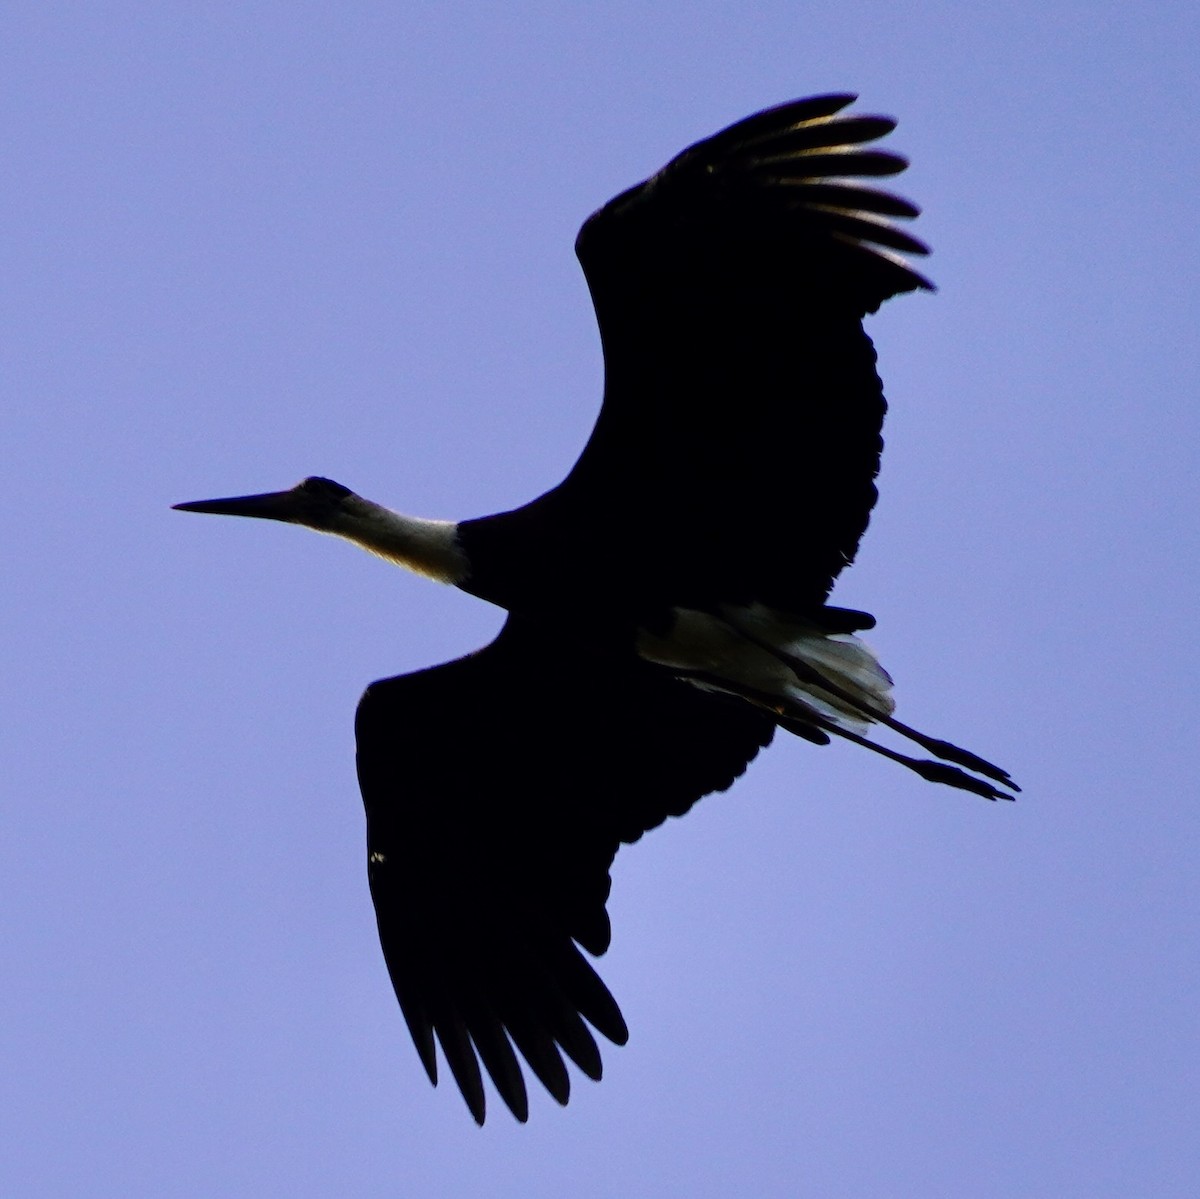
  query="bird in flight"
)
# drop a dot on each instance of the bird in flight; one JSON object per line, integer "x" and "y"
{"x": 667, "y": 601}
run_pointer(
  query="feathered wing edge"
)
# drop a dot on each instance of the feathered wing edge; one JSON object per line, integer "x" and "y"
{"x": 804, "y": 157}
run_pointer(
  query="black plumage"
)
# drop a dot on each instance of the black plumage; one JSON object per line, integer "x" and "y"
{"x": 667, "y": 600}
{"x": 498, "y": 789}
{"x": 735, "y": 455}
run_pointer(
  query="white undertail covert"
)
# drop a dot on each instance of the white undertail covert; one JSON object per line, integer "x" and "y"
{"x": 777, "y": 661}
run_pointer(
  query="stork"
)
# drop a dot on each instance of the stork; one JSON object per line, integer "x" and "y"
{"x": 667, "y": 601}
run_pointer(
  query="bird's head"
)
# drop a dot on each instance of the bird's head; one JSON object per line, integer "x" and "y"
{"x": 430, "y": 547}
{"x": 315, "y": 503}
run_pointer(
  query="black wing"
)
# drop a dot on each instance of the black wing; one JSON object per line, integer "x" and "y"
{"x": 736, "y": 450}
{"x": 497, "y": 790}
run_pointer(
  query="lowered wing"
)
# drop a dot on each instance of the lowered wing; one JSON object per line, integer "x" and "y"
{"x": 497, "y": 790}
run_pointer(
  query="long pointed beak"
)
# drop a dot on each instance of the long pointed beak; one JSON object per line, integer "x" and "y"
{"x": 270, "y": 505}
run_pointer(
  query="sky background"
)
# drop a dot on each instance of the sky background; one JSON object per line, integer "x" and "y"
{"x": 243, "y": 243}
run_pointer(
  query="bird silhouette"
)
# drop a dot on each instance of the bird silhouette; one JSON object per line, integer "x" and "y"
{"x": 667, "y": 600}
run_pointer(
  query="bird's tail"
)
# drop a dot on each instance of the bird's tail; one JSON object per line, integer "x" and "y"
{"x": 816, "y": 683}
{"x": 841, "y": 680}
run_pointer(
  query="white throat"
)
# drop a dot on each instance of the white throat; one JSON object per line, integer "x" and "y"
{"x": 428, "y": 547}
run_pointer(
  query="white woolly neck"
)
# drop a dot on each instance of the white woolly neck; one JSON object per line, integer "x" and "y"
{"x": 428, "y": 547}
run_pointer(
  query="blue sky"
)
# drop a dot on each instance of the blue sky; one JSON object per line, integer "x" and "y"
{"x": 246, "y": 243}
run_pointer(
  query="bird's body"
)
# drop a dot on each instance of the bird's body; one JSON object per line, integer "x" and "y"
{"x": 667, "y": 601}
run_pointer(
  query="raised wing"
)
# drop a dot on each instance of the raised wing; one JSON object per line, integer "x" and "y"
{"x": 740, "y": 433}
{"x": 497, "y": 790}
